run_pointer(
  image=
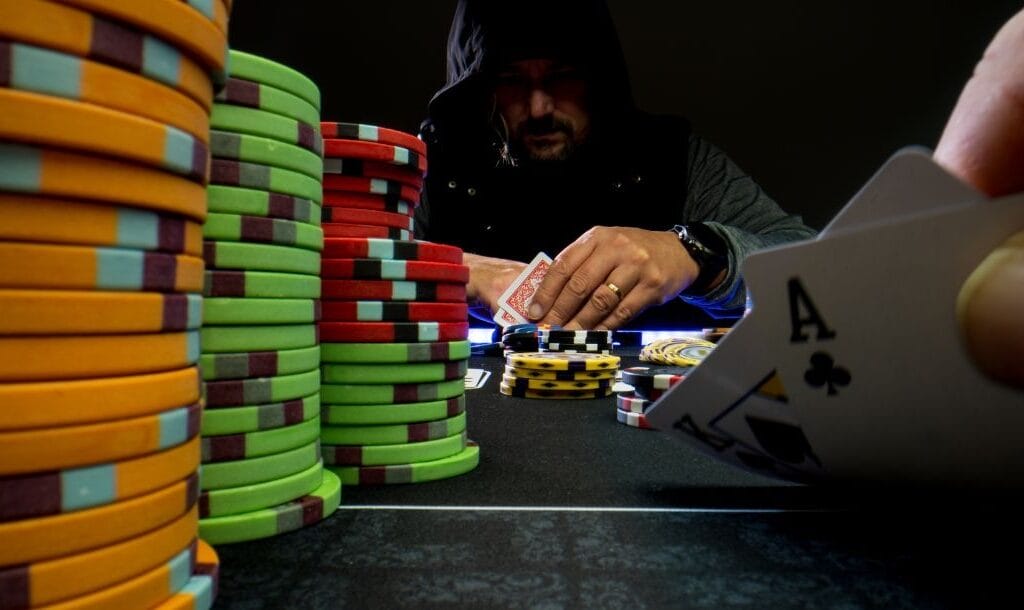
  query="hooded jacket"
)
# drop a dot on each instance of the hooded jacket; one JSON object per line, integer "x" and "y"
{"x": 635, "y": 169}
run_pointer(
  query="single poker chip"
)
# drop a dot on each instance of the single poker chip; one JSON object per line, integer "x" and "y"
{"x": 214, "y": 10}
{"x": 200, "y": 591}
{"x": 55, "y": 221}
{"x": 261, "y": 70}
{"x": 371, "y": 186}
{"x": 372, "y": 133}
{"x": 545, "y": 361}
{"x": 268, "y": 522}
{"x": 417, "y": 372}
{"x": 647, "y": 378}
{"x": 393, "y": 311}
{"x": 334, "y": 229}
{"x": 558, "y": 375}
{"x": 261, "y": 284}
{"x": 381, "y": 269}
{"x": 404, "y": 453}
{"x": 368, "y": 217}
{"x": 44, "y": 266}
{"x": 27, "y": 451}
{"x": 554, "y": 394}
{"x": 266, "y": 151}
{"x": 636, "y": 420}
{"x": 49, "y": 581}
{"x": 243, "y": 365}
{"x": 236, "y": 420}
{"x": 75, "y": 489}
{"x": 247, "y": 445}
{"x": 261, "y": 96}
{"x": 270, "y": 337}
{"x": 84, "y": 34}
{"x": 223, "y": 475}
{"x": 533, "y": 329}
{"x": 252, "y": 202}
{"x": 41, "y": 70}
{"x": 67, "y": 403}
{"x": 629, "y": 401}
{"x": 372, "y": 151}
{"x": 44, "y": 120}
{"x": 239, "y": 119}
{"x": 381, "y": 353}
{"x": 57, "y": 312}
{"x": 396, "y": 434}
{"x": 574, "y": 347}
{"x": 393, "y": 332}
{"x": 385, "y": 394}
{"x": 46, "y": 171}
{"x": 175, "y": 22}
{"x": 408, "y": 413}
{"x": 51, "y": 358}
{"x": 258, "y": 390}
{"x": 221, "y": 255}
{"x": 389, "y": 249}
{"x": 248, "y": 498}
{"x": 575, "y": 336}
{"x": 50, "y": 537}
{"x": 361, "y": 201}
{"x": 389, "y": 290}
{"x": 419, "y": 472}
{"x": 227, "y": 172}
{"x": 260, "y": 311}
{"x": 373, "y": 169}
{"x": 518, "y": 383}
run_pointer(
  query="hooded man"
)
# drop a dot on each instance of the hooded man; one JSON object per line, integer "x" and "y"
{"x": 535, "y": 144}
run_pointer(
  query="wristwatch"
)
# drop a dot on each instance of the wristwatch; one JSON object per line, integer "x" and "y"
{"x": 708, "y": 250}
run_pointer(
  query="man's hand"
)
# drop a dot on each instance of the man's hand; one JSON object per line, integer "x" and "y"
{"x": 609, "y": 275}
{"x": 488, "y": 278}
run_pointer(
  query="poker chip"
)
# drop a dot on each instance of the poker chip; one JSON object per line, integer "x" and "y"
{"x": 235, "y": 420}
{"x": 393, "y": 290}
{"x": 382, "y": 455}
{"x": 222, "y": 255}
{"x": 238, "y": 119}
{"x": 243, "y": 365}
{"x": 635, "y": 420}
{"x": 248, "y": 498}
{"x": 373, "y": 151}
{"x": 46, "y": 171}
{"x": 647, "y": 379}
{"x": 250, "y": 202}
{"x": 222, "y": 475}
{"x": 38, "y": 494}
{"x": 260, "y": 284}
{"x": 421, "y": 472}
{"x": 48, "y": 121}
{"x": 48, "y": 358}
{"x": 370, "y": 186}
{"x": 508, "y": 390}
{"x": 241, "y": 392}
{"x": 407, "y": 413}
{"x": 393, "y": 311}
{"x": 378, "y": 269}
{"x": 335, "y": 229}
{"x": 262, "y": 70}
{"x": 629, "y": 401}
{"x": 388, "y": 394}
{"x": 228, "y": 172}
{"x": 261, "y": 96}
{"x": 395, "y": 434}
{"x": 418, "y": 372}
{"x": 677, "y": 351}
{"x": 558, "y": 375}
{"x": 55, "y": 221}
{"x": 368, "y": 217}
{"x": 260, "y": 311}
{"x": 575, "y": 347}
{"x": 285, "y": 517}
{"x": 547, "y": 361}
{"x": 381, "y": 353}
{"x": 372, "y": 133}
{"x": 45, "y": 71}
{"x": 26, "y": 451}
{"x": 373, "y": 169}
{"x": 55, "y": 312}
{"x": 558, "y": 336}
{"x": 393, "y": 332}
{"x": 360, "y": 201}
{"x": 518, "y": 383}
{"x": 265, "y": 151}
{"x": 246, "y": 445}
{"x": 219, "y": 339}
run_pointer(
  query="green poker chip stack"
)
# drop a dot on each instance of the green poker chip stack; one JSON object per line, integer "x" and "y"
{"x": 260, "y": 358}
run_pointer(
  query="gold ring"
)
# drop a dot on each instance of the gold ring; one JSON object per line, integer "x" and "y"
{"x": 614, "y": 288}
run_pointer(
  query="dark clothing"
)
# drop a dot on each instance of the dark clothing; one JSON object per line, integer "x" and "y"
{"x": 637, "y": 170}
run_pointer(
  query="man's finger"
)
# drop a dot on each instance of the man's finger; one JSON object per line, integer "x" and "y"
{"x": 580, "y": 286}
{"x": 605, "y": 300}
{"x": 558, "y": 275}
{"x": 630, "y": 307}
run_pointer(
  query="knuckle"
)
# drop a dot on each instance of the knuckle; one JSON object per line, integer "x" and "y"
{"x": 578, "y": 285}
{"x": 624, "y": 314}
{"x": 602, "y": 303}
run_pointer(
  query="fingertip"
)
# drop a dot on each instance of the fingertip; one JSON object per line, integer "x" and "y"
{"x": 536, "y": 311}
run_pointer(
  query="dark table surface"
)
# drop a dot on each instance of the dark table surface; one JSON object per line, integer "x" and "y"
{"x": 570, "y": 509}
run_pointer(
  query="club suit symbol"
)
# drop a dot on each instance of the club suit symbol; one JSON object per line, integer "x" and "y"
{"x": 824, "y": 371}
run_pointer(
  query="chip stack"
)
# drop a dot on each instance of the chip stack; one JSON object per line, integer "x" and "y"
{"x": 649, "y": 384}
{"x": 523, "y": 337}
{"x": 104, "y": 131}
{"x": 558, "y": 376}
{"x": 262, "y": 474}
{"x": 574, "y": 341}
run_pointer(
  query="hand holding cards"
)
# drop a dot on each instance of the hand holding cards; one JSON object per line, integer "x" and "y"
{"x": 513, "y": 303}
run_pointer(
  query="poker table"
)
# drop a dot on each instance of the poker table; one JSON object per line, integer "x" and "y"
{"x": 570, "y": 509}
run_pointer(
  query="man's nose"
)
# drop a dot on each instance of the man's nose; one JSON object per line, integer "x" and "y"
{"x": 541, "y": 103}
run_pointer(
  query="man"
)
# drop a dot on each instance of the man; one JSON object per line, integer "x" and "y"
{"x": 535, "y": 142}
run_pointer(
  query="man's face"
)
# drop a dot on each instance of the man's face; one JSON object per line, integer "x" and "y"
{"x": 544, "y": 104}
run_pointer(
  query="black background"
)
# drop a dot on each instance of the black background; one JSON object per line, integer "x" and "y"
{"x": 808, "y": 97}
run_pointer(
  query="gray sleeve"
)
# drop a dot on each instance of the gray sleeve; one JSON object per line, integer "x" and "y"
{"x": 725, "y": 198}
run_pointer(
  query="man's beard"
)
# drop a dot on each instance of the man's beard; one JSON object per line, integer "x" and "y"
{"x": 550, "y": 125}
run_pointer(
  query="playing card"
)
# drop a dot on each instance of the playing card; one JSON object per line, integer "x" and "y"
{"x": 516, "y": 298}
{"x": 505, "y": 318}
{"x": 476, "y": 378}
{"x": 851, "y": 364}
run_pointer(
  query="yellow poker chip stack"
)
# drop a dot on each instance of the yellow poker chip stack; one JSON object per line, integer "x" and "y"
{"x": 559, "y": 375}
{"x": 262, "y": 474}
{"x": 677, "y": 351}
{"x": 104, "y": 159}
